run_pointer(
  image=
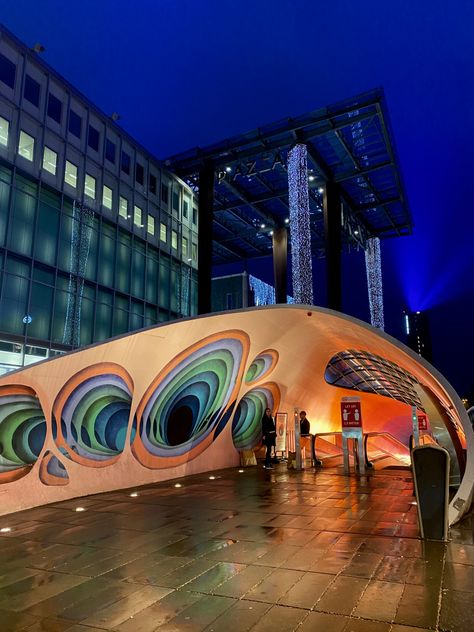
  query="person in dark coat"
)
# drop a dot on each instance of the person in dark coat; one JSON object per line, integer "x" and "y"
{"x": 304, "y": 424}
{"x": 268, "y": 436}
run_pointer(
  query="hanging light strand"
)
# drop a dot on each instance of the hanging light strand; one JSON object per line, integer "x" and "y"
{"x": 373, "y": 267}
{"x": 300, "y": 230}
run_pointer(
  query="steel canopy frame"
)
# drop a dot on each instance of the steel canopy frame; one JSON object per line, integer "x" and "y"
{"x": 349, "y": 143}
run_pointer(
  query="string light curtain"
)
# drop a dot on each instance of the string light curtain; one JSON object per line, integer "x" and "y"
{"x": 373, "y": 267}
{"x": 300, "y": 231}
{"x": 263, "y": 293}
{"x": 82, "y": 219}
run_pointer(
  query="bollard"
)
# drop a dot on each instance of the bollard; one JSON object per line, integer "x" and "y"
{"x": 430, "y": 465}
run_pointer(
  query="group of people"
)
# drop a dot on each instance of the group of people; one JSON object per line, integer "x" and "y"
{"x": 269, "y": 434}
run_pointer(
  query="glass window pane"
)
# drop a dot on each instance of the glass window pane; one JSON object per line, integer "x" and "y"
{"x": 75, "y": 123}
{"x": 70, "y": 174}
{"x": 123, "y": 208}
{"x": 164, "y": 287}
{"x": 46, "y": 234}
{"x": 4, "y": 207}
{"x": 31, "y": 91}
{"x": 50, "y": 160}
{"x": 125, "y": 163}
{"x": 122, "y": 275}
{"x": 26, "y": 146}
{"x": 174, "y": 240}
{"x": 14, "y": 303}
{"x": 93, "y": 138}
{"x": 41, "y": 305}
{"x": 163, "y": 232}
{"x": 137, "y": 216}
{"x": 184, "y": 248}
{"x": 106, "y": 266}
{"x": 164, "y": 193}
{"x": 89, "y": 186}
{"x": 110, "y": 150}
{"x": 139, "y": 173}
{"x": 107, "y": 197}
{"x": 151, "y": 225}
{"x": 7, "y": 71}
{"x": 151, "y": 290}
{"x": 4, "y": 129}
{"x": 22, "y": 223}
{"x": 138, "y": 271}
{"x": 152, "y": 184}
{"x": 55, "y": 108}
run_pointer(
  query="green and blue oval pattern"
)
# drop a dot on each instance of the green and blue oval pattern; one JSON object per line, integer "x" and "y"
{"x": 261, "y": 366}
{"x": 247, "y": 422}
{"x": 22, "y": 431}
{"x": 92, "y": 413}
{"x": 189, "y": 403}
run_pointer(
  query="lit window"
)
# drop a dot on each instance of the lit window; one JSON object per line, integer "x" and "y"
{"x": 194, "y": 250}
{"x": 89, "y": 186}
{"x": 50, "y": 160}
{"x": 174, "y": 239}
{"x": 184, "y": 247}
{"x": 107, "y": 197}
{"x": 151, "y": 225}
{"x": 123, "y": 207}
{"x": 70, "y": 174}
{"x": 26, "y": 146}
{"x": 137, "y": 216}
{"x": 4, "y": 129}
{"x": 163, "y": 233}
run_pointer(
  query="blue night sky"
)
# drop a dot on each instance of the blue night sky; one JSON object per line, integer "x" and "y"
{"x": 183, "y": 73}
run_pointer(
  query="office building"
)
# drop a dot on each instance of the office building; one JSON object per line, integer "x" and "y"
{"x": 96, "y": 238}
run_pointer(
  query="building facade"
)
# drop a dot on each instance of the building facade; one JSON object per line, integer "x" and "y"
{"x": 96, "y": 238}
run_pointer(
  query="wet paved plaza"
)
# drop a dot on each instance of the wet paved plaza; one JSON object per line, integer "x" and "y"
{"x": 255, "y": 550}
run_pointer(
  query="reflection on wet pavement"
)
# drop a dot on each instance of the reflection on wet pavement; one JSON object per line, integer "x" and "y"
{"x": 256, "y": 551}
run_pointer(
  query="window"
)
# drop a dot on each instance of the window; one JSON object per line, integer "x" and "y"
{"x": 7, "y": 71}
{"x": 123, "y": 207}
{"x": 4, "y": 129}
{"x": 152, "y": 184}
{"x": 151, "y": 225}
{"x": 137, "y": 216}
{"x": 55, "y": 108}
{"x": 163, "y": 231}
{"x": 174, "y": 240}
{"x": 175, "y": 201}
{"x": 164, "y": 193}
{"x": 70, "y": 174}
{"x": 184, "y": 247}
{"x": 50, "y": 160}
{"x": 89, "y": 186}
{"x": 107, "y": 197}
{"x": 194, "y": 252}
{"x": 31, "y": 91}
{"x": 139, "y": 173}
{"x": 110, "y": 151}
{"x": 75, "y": 124}
{"x": 195, "y": 215}
{"x": 125, "y": 163}
{"x": 185, "y": 208}
{"x": 93, "y": 138}
{"x": 26, "y": 146}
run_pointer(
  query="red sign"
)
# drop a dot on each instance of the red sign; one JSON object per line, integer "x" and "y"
{"x": 422, "y": 422}
{"x": 351, "y": 414}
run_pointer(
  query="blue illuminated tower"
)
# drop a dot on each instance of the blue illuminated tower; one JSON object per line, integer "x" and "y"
{"x": 417, "y": 331}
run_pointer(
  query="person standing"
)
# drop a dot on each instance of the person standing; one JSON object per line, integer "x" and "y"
{"x": 268, "y": 436}
{"x": 304, "y": 424}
